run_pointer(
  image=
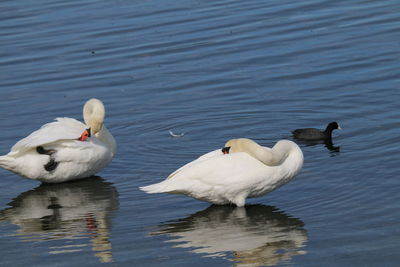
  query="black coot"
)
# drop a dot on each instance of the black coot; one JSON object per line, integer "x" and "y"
{"x": 315, "y": 134}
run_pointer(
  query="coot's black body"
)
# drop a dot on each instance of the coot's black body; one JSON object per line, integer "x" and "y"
{"x": 315, "y": 134}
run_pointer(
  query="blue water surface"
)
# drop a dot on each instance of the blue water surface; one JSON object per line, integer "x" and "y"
{"x": 213, "y": 70}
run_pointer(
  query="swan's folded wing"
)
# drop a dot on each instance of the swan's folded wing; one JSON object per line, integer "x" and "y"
{"x": 61, "y": 129}
{"x": 204, "y": 157}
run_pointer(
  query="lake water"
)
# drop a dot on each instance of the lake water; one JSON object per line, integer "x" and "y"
{"x": 213, "y": 70}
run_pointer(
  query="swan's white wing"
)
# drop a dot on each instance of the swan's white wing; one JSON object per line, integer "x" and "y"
{"x": 216, "y": 174}
{"x": 212, "y": 154}
{"x": 224, "y": 170}
{"x": 209, "y": 155}
{"x": 61, "y": 129}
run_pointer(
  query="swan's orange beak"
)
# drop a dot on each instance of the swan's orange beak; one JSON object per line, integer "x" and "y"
{"x": 85, "y": 135}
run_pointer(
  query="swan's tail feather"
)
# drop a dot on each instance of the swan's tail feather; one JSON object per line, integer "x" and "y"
{"x": 162, "y": 187}
{"x": 4, "y": 162}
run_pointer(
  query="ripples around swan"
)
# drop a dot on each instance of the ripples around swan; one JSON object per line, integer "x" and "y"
{"x": 76, "y": 213}
{"x": 255, "y": 235}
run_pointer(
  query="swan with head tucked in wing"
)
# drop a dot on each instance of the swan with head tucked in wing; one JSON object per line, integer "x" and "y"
{"x": 242, "y": 169}
{"x": 64, "y": 150}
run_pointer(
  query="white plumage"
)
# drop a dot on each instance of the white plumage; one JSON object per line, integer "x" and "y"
{"x": 71, "y": 158}
{"x": 249, "y": 170}
{"x": 60, "y": 129}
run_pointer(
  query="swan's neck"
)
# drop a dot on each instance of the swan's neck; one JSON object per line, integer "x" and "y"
{"x": 294, "y": 158}
{"x": 271, "y": 157}
{"x": 106, "y": 137}
{"x": 93, "y": 114}
{"x": 274, "y": 157}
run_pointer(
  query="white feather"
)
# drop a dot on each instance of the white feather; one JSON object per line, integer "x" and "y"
{"x": 60, "y": 129}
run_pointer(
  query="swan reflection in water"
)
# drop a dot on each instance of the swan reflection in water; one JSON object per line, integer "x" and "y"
{"x": 254, "y": 235}
{"x": 69, "y": 211}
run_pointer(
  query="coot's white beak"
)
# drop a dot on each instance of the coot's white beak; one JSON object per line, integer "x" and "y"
{"x": 339, "y": 128}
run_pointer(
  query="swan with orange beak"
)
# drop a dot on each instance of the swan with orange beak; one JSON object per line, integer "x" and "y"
{"x": 65, "y": 149}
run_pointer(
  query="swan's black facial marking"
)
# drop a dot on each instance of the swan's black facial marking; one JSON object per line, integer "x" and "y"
{"x": 52, "y": 164}
{"x": 89, "y": 131}
{"x": 225, "y": 150}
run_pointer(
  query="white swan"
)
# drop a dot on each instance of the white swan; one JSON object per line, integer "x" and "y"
{"x": 240, "y": 170}
{"x": 65, "y": 149}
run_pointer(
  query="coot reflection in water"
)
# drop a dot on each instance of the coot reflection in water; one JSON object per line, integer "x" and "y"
{"x": 327, "y": 143}
{"x": 254, "y": 235}
{"x": 71, "y": 212}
